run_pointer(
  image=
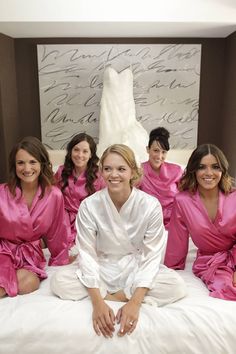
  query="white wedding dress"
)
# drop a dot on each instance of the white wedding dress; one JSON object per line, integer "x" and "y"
{"x": 118, "y": 124}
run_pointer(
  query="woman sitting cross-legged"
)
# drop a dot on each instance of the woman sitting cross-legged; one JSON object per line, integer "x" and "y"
{"x": 30, "y": 208}
{"x": 205, "y": 209}
{"x": 78, "y": 177}
{"x": 160, "y": 178}
{"x": 121, "y": 237}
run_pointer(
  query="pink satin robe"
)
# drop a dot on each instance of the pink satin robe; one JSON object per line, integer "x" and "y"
{"x": 74, "y": 194}
{"x": 163, "y": 186}
{"x": 215, "y": 240}
{"x": 21, "y": 230}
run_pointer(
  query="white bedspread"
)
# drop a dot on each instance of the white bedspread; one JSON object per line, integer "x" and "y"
{"x": 42, "y": 323}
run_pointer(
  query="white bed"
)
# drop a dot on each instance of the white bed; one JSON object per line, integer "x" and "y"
{"x": 42, "y": 323}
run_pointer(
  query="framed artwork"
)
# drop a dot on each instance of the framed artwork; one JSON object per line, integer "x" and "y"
{"x": 166, "y": 80}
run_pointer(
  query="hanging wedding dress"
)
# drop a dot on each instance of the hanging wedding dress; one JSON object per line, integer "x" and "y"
{"x": 118, "y": 124}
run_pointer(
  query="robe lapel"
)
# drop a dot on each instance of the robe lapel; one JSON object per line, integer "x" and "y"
{"x": 214, "y": 224}
{"x": 120, "y": 233}
{"x": 26, "y": 225}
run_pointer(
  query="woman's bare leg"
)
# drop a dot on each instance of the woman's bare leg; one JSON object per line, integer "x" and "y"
{"x": 2, "y": 292}
{"x": 27, "y": 281}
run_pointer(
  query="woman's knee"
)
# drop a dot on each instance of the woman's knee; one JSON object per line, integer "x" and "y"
{"x": 62, "y": 282}
{"x": 27, "y": 281}
{"x": 66, "y": 285}
{"x": 57, "y": 282}
{"x": 2, "y": 292}
{"x": 180, "y": 288}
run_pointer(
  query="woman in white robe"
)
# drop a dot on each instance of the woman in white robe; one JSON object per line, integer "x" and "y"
{"x": 122, "y": 239}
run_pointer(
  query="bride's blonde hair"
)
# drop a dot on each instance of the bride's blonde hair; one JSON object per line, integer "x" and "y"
{"x": 128, "y": 155}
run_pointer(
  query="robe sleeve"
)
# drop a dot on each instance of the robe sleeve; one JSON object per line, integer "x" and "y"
{"x": 154, "y": 243}
{"x": 58, "y": 234}
{"x": 178, "y": 239}
{"x": 88, "y": 271}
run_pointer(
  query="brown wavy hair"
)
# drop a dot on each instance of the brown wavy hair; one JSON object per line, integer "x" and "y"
{"x": 128, "y": 155}
{"x": 35, "y": 148}
{"x": 189, "y": 181}
{"x": 92, "y": 166}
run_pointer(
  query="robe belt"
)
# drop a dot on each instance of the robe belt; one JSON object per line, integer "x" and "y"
{"x": 20, "y": 242}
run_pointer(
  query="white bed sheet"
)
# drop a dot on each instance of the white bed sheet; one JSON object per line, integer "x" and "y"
{"x": 42, "y": 323}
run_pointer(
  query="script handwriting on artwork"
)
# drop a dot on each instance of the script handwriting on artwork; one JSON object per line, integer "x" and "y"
{"x": 166, "y": 88}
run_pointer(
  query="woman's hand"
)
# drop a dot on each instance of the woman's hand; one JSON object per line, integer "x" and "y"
{"x": 234, "y": 279}
{"x": 103, "y": 315}
{"x": 128, "y": 314}
{"x": 103, "y": 319}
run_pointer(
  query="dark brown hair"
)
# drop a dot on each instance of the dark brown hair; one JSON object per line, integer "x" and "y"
{"x": 189, "y": 181}
{"x": 92, "y": 166}
{"x": 161, "y": 136}
{"x": 35, "y": 148}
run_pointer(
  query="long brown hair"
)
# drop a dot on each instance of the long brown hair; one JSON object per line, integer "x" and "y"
{"x": 35, "y": 148}
{"x": 92, "y": 166}
{"x": 189, "y": 181}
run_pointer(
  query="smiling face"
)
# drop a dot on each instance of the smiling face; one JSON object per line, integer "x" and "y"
{"x": 117, "y": 174}
{"x": 157, "y": 155}
{"x": 27, "y": 168}
{"x": 208, "y": 174}
{"x": 80, "y": 155}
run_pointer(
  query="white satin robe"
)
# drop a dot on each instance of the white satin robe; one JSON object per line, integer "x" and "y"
{"x": 120, "y": 251}
{"x": 123, "y": 248}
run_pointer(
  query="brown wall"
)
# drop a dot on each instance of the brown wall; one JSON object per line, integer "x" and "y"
{"x": 216, "y": 99}
{"x": 3, "y": 143}
{"x": 212, "y": 75}
{"x": 28, "y": 89}
{"x": 211, "y": 91}
{"x": 9, "y": 128}
{"x": 227, "y": 128}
